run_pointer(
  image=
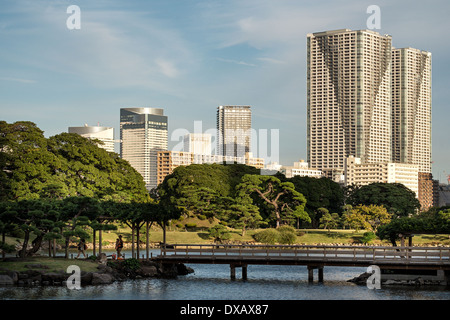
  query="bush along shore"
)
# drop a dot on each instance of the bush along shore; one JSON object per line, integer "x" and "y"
{"x": 107, "y": 272}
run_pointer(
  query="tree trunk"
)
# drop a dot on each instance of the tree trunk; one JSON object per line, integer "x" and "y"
{"x": 36, "y": 245}
{"x": 100, "y": 241}
{"x": 23, "y": 252}
{"x": 147, "y": 240}
{"x": 4, "y": 242}
{"x": 93, "y": 242}
{"x": 137, "y": 241}
{"x": 132, "y": 239}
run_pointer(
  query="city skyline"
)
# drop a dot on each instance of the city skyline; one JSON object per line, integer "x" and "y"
{"x": 190, "y": 58}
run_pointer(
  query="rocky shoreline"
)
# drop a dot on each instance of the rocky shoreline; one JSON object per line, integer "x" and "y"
{"x": 108, "y": 272}
{"x": 413, "y": 281}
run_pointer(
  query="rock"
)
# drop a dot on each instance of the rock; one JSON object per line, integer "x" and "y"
{"x": 147, "y": 271}
{"x": 6, "y": 280}
{"x": 102, "y": 259}
{"x": 102, "y": 278}
{"x": 361, "y": 279}
{"x": 182, "y": 270}
{"x": 86, "y": 278}
{"x": 54, "y": 277}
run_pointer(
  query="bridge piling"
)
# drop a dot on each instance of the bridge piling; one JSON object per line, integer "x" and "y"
{"x": 233, "y": 271}
{"x": 311, "y": 273}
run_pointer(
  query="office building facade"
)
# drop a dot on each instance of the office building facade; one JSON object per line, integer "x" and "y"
{"x": 361, "y": 174}
{"x": 104, "y": 134}
{"x": 143, "y": 132}
{"x": 199, "y": 143}
{"x": 234, "y": 124}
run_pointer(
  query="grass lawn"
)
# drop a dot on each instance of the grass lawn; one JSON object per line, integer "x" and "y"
{"x": 53, "y": 264}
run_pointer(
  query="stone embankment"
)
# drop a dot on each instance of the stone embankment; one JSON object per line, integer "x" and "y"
{"x": 107, "y": 273}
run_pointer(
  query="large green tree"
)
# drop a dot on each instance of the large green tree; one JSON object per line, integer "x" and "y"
{"x": 319, "y": 193}
{"x": 284, "y": 201}
{"x": 395, "y": 197}
{"x": 34, "y": 167}
{"x": 430, "y": 222}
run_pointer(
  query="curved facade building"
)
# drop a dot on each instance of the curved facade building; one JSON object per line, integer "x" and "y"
{"x": 104, "y": 134}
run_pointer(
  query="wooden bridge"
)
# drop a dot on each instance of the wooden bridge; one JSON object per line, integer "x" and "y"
{"x": 314, "y": 257}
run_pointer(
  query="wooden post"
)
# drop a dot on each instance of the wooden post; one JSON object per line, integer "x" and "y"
{"x": 310, "y": 274}
{"x": 320, "y": 270}
{"x": 244, "y": 272}
{"x": 232, "y": 271}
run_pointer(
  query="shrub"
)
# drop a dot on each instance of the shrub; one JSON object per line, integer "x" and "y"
{"x": 268, "y": 236}
{"x": 287, "y": 238}
{"x": 201, "y": 217}
{"x": 131, "y": 264}
{"x": 368, "y": 237}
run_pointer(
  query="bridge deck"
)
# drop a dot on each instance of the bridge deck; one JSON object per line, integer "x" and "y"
{"x": 437, "y": 258}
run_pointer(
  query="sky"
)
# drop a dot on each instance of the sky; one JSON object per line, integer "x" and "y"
{"x": 191, "y": 56}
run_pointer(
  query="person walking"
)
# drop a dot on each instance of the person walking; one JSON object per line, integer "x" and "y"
{"x": 119, "y": 246}
{"x": 81, "y": 247}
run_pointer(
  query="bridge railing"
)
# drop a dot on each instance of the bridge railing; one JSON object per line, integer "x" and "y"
{"x": 320, "y": 252}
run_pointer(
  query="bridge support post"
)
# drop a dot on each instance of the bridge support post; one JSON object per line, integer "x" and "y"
{"x": 311, "y": 273}
{"x": 233, "y": 271}
{"x": 244, "y": 272}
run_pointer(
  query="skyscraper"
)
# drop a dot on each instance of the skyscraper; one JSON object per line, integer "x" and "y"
{"x": 198, "y": 143}
{"x": 143, "y": 132}
{"x": 411, "y": 107}
{"x": 234, "y": 125}
{"x": 348, "y": 97}
{"x": 104, "y": 134}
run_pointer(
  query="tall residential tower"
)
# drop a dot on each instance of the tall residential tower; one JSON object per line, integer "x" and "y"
{"x": 411, "y": 107}
{"x": 143, "y": 132}
{"x": 348, "y": 97}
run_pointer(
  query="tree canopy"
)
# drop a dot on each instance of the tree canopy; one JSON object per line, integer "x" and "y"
{"x": 63, "y": 165}
{"x": 395, "y": 197}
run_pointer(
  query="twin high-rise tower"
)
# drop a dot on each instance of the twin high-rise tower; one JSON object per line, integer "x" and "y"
{"x": 367, "y": 99}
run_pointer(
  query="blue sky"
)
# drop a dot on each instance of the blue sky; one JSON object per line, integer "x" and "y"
{"x": 190, "y": 56}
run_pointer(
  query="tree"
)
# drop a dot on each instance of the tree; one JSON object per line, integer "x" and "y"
{"x": 367, "y": 217}
{"x": 395, "y": 197}
{"x": 241, "y": 215}
{"x": 431, "y": 222}
{"x": 33, "y": 167}
{"x": 319, "y": 193}
{"x": 281, "y": 197}
{"x": 329, "y": 221}
{"x": 219, "y": 233}
{"x": 33, "y": 216}
{"x": 77, "y": 215}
